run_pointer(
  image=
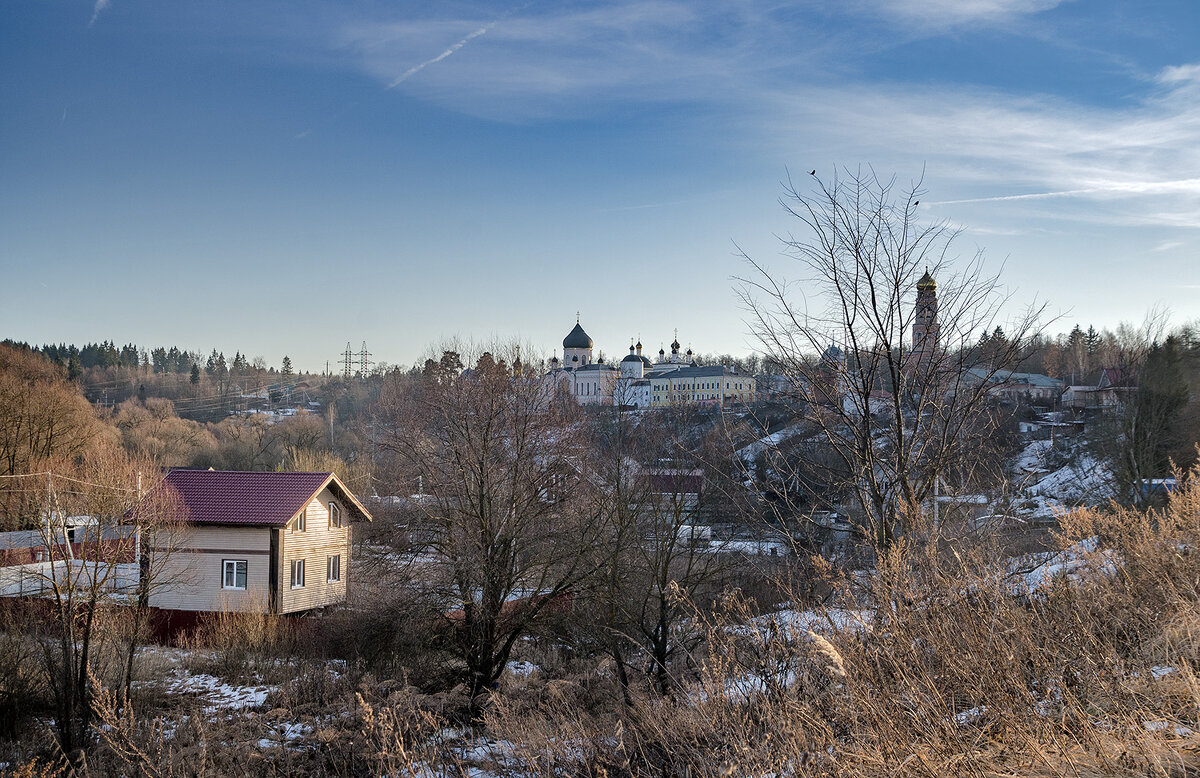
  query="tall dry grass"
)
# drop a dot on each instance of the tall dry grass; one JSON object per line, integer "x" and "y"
{"x": 960, "y": 670}
{"x": 940, "y": 661}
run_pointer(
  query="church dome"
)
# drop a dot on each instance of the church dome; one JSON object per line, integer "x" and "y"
{"x": 577, "y": 338}
{"x": 926, "y": 282}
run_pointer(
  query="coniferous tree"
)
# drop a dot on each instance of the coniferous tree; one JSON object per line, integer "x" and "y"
{"x": 286, "y": 370}
{"x": 1148, "y": 423}
{"x": 1077, "y": 354}
{"x": 195, "y": 379}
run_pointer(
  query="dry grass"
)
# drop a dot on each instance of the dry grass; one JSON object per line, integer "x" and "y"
{"x": 955, "y": 670}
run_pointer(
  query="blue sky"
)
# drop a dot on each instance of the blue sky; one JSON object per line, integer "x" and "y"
{"x": 286, "y": 177}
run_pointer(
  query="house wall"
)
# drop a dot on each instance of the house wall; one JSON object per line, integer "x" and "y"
{"x": 314, "y": 546}
{"x": 190, "y": 578}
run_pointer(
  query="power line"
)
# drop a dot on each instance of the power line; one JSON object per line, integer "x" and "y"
{"x": 67, "y": 478}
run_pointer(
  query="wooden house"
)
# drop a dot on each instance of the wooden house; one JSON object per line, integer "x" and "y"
{"x": 257, "y": 541}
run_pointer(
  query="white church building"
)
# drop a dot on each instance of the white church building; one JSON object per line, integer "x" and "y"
{"x": 637, "y": 382}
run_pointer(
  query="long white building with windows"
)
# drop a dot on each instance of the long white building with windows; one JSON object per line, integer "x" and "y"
{"x": 638, "y": 382}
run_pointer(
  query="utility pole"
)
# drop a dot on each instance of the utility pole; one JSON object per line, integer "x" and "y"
{"x": 347, "y": 361}
{"x": 936, "y": 494}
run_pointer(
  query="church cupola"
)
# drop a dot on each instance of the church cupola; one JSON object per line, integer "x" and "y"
{"x": 631, "y": 365}
{"x": 577, "y": 346}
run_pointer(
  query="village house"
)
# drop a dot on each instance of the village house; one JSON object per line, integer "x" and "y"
{"x": 1016, "y": 387}
{"x": 257, "y": 541}
{"x": 1111, "y": 388}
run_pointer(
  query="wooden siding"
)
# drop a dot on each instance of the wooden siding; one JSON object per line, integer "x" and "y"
{"x": 315, "y": 545}
{"x": 191, "y": 578}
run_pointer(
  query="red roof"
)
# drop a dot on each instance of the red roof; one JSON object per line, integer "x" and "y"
{"x": 241, "y": 497}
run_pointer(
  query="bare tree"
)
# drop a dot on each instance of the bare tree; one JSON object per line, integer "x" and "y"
{"x": 891, "y": 408}
{"x": 655, "y": 555}
{"x": 104, "y": 552}
{"x": 504, "y": 497}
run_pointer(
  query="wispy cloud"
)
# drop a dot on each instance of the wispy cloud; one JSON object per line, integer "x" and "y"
{"x": 569, "y": 58}
{"x": 942, "y": 14}
{"x": 1167, "y": 245}
{"x": 1116, "y": 164}
{"x": 101, "y": 5}
{"x": 739, "y": 64}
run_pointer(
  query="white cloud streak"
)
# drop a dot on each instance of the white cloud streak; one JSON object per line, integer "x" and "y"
{"x": 415, "y": 69}
{"x": 1184, "y": 186}
{"x": 101, "y": 5}
{"x": 943, "y": 14}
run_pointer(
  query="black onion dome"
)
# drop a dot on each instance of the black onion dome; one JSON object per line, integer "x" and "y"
{"x": 577, "y": 338}
{"x": 632, "y": 358}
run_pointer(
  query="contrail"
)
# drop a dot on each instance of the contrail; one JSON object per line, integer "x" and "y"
{"x": 418, "y": 68}
{"x": 1032, "y": 196}
{"x": 1182, "y": 185}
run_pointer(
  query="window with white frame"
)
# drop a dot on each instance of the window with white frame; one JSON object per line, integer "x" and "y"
{"x": 301, "y": 522}
{"x": 335, "y": 514}
{"x": 233, "y": 573}
{"x": 333, "y": 568}
{"x": 297, "y": 573}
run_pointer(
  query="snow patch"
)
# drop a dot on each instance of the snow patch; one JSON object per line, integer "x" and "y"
{"x": 218, "y": 695}
{"x": 1167, "y": 726}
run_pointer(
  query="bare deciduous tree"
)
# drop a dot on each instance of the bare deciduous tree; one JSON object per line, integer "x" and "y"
{"x": 893, "y": 409}
{"x": 654, "y": 556}
{"x": 504, "y": 497}
{"x": 104, "y": 553}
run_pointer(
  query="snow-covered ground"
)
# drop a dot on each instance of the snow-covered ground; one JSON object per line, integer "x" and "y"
{"x": 824, "y": 621}
{"x": 217, "y": 695}
{"x": 1034, "y": 572}
{"x": 1084, "y": 480}
{"x": 752, "y": 450}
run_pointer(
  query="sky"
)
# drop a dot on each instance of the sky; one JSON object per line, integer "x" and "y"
{"x": 286, "y": 177}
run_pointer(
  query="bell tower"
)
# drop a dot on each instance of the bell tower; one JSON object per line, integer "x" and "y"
{"x": 925, "y": 321}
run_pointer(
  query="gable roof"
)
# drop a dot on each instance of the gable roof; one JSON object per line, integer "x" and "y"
{"x": 251, "y": 498}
